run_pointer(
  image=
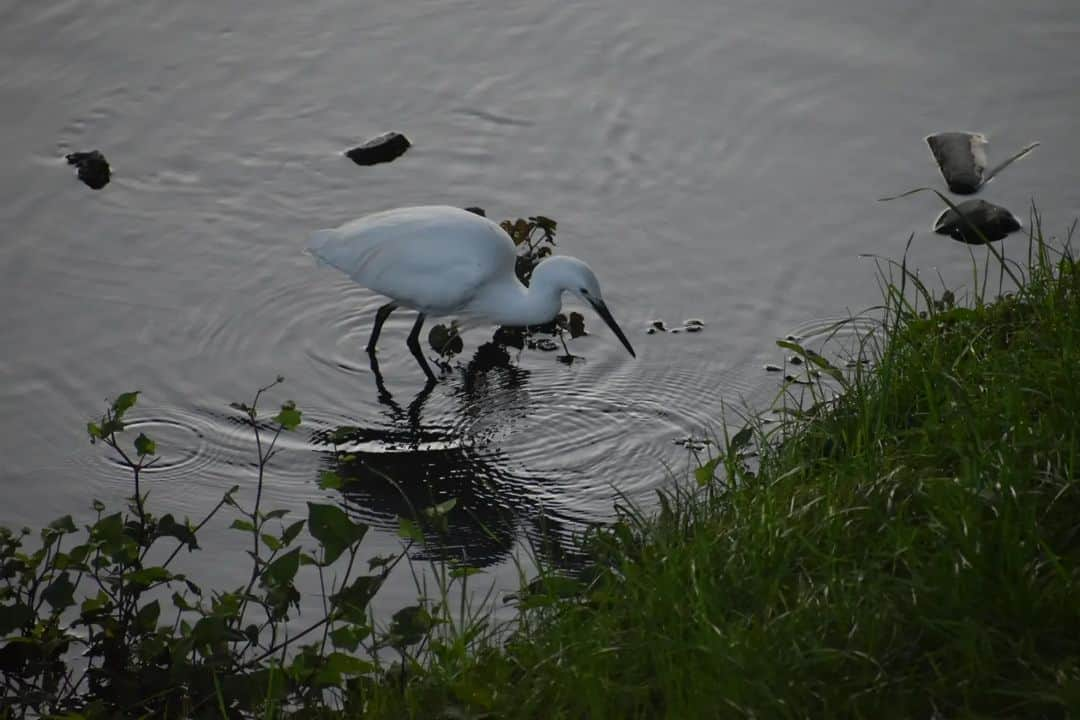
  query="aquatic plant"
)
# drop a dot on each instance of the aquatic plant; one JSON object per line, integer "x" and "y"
{"x": 97, "y": 622}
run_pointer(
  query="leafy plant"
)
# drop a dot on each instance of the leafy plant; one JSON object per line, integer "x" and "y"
{"x": 99, "y": 623}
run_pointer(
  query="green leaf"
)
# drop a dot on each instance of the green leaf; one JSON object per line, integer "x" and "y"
{"x": 60, "y": 593}
{"x": 740, "y": 440}
{"x": 441, "y": 509}
{"x": 704, "y": 474}
{"x": 94, "y": 431}
{"x": 381, "y": 561}
{"x": 828, "y": 368}
{"x": 144, "y": 445}
{"x": 545, "y": 223}
{"x": 244, "y": 525}
{"x": 548, "y": 590}
{"x": 146, "y": 577}
{"x": 111, "y": 426}
{"x": 409, "y": 625}
{"x": 409, "y": 530}
{"x": 98, "y": 506}
{"x": 794, "y": 347}
{"x": 464, "y": 571}
{"x": 209, "y": 630}
{"x": 289, "y": 417}
{"x": 13, "y": 617}
{"x": 333, "y": 529}
{"x": 330, "y": 480}
{"x": 181, "y": 602}
{"x": 283, "y": 570}
{"x": 340, "y": 663}
{"x": 446, "y": 340}
{"x": 124, "y": 402}
{"x": 349, "y": 637}
{"x": 73, "y": 559}
{"x": 275, "y": 514}
{"x": 354, "y": 598}
{"x": 148, "y": 615}
{"x": 63, "y": 525}
{"x": 93, "y": 605}
{"x": 168, "y": 527}
{"x": 290, "y": 533}
{"x": 110, "y": 530}
{"x": 271, "y": 542}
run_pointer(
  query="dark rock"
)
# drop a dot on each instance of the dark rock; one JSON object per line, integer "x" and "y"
{"x": 382, "y": 149}
{"x": 477, "y": 211}
{"x": 773, "y": 368}
{"x": 92, "y": 167}
{"x": 962, "y": 159}
{"x": 657, "y": 326}
{"x": 992, "y": 221}
{"x": 694, "y": 322}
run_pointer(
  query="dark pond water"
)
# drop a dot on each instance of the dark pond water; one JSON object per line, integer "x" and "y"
{"x": 714, "y": 160}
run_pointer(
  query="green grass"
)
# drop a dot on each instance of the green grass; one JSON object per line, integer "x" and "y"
{"x": 912, "y": 549}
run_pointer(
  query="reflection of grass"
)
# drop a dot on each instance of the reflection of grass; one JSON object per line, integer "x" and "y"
{"x": 912, "y": 550}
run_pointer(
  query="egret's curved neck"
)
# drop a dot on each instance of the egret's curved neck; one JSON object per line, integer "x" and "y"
{"x": 511, "y": 303}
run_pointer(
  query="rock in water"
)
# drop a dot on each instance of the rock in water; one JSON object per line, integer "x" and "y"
{"x": 92, "y": 167}
{"x": 993, "y": 221}
{"x": 381, "y": 149}
{"x": 962, "y": 159}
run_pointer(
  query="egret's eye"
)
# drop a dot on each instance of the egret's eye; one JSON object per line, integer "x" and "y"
{"x": 584, "y": 291}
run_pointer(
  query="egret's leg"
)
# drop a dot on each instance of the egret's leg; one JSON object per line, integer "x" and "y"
{"x": 414, "y": 346}
{"x": 384, "y": 395}
{"x": 380, "y": 317}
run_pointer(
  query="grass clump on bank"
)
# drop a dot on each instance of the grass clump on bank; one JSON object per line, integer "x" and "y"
{"x": 910, "y": 550}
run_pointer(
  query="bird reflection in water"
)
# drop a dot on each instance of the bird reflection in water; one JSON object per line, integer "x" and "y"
{"x": 399, "y": 469}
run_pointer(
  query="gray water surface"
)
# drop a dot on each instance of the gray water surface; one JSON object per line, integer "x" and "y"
{"x": 718, "y": 160}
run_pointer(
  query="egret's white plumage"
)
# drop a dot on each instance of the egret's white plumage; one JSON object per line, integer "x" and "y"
{"x": 441, "y": 260}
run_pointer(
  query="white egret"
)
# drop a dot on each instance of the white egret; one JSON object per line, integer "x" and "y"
{"x": 441, "y": 260}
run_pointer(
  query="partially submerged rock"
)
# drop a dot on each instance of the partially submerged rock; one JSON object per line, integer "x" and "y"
{"x": 961, "y": 156}
{"x": 691, "y": 325}
{"x": 382, "y": 149}
{"x": 977, "y": 222}
{"x": 962, "y": 159}
{"x": 93, "y": 168}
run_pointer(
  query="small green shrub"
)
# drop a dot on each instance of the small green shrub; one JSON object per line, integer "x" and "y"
{"x": 96, "y": 623}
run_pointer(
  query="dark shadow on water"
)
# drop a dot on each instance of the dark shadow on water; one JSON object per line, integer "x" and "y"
{"x": 398, "y": 468}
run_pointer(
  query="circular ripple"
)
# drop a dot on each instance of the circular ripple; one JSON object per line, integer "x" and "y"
{"x": 181, "y": 448}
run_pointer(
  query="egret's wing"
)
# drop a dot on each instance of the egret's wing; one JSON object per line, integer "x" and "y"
{"x": 432, "y": 259}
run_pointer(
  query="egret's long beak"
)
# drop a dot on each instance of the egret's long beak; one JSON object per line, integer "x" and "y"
{"x": 602, "y": 310}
